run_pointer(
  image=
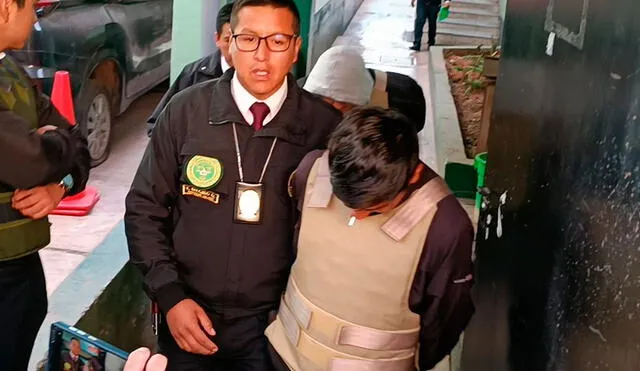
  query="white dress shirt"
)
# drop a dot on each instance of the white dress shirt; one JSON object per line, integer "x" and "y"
{"x": 223, "y": 63}
{"x": 244, "y": 100}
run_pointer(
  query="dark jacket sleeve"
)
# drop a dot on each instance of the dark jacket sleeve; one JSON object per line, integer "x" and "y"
{"x": 441, "y": 291}
{"x": 148, "y": 216}
{"x": 297, "y": 188}
{"x": 182, "y": 82}
{"x": 28, "y": 159}
{"x": 48, "y": 114}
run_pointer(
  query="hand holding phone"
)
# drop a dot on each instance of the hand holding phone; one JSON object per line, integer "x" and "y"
{"x": 139, "y": 361}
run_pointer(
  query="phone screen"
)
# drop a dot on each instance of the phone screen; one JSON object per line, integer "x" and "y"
{"x": 78, "y": 351}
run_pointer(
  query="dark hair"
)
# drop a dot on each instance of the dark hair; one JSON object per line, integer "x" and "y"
{"x": 76, "y": 339}
{"x": 372, "y": 155}
{"x": 287, "y": 4}
{"x": 224, "y": 17}
{"x": 20, "y": 3}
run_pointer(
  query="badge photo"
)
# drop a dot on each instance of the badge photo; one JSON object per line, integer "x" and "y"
{"x": 248, "y": 204}
{"x": 203, "y": 172}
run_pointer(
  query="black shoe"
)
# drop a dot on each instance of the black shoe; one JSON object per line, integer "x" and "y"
{"x": 414, "y": 47}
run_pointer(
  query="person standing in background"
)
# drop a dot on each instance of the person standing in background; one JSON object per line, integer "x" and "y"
{"x": 341, "y": 78}
{"x": 426, "y": 10}
{"x": 208, "y": 68}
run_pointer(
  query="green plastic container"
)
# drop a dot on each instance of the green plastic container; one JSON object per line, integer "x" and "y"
{"x": 461, "y": 179}
{"x": 444, "y": 13}
{"x": 480, "y": 163}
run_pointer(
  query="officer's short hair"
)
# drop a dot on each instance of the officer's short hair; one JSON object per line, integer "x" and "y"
{"x": 224, "y": 17}
{"x": 372, "y": 155}
{"x": 20, "y": 3}
{"x": 287, "y": 4}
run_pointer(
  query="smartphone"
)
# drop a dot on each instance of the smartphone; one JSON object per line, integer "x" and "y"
{"x": 71, "y": 349}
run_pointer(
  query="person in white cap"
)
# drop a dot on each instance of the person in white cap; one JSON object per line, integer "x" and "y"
{"x": 341, "y": 78}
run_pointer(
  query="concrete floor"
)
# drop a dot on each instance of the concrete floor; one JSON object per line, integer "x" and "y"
{"x": 73, "y": 238}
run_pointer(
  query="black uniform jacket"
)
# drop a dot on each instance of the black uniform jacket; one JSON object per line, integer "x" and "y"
{"x": 186, "y": 244}
{"x": 441, "y": 289}
{"x": 204, "y": 69}
{"x": 28, "y": 159}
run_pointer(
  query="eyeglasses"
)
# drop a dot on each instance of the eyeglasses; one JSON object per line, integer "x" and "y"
{"x": 275, "y": 43}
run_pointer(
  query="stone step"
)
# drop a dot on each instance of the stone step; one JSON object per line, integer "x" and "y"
{"x": 473, "y": 13}
{"x": 468, "y": 30}
{"x": 459, "y": 40}
{"x": 475, "y": 34}
{"x": 479, "y": 2}
{"x": 480, "y": 23}
{"x": 475, "y": 5}
{"x": 482, "y": 20}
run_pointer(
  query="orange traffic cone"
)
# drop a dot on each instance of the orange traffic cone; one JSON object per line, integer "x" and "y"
{"x": 61, "y": 97}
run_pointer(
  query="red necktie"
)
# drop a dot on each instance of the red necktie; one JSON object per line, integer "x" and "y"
{"x": 260, "y": 111}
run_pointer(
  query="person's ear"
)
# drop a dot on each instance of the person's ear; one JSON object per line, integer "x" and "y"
{"x": 297, "y": 46}
{"x": 5, "y": 10}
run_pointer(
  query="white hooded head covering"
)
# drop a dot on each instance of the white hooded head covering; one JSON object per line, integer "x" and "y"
{"x": 340, "y": 74}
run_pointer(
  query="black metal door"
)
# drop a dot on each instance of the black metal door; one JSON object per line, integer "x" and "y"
{"x": 558, "y": 280}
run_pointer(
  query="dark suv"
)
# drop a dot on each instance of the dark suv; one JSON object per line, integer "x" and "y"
{"x": 114, "y": 50}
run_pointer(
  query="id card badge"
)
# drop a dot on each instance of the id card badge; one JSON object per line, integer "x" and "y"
{"x": 248, "y": 203}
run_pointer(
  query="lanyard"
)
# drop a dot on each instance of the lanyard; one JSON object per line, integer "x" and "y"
{"x": 266, "y": 164}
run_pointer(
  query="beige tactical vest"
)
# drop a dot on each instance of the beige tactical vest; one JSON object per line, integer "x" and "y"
{"x": 346, "y": 303}
{"x": 379, "y": 95}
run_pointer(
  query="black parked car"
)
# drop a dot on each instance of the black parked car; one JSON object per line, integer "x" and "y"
{"x": 114, "y": 50}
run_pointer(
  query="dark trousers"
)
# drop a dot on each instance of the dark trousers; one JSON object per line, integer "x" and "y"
{"x": 23, "y": 306}
{"x": 241, "y": 342}
{"x": 426, "y": 10}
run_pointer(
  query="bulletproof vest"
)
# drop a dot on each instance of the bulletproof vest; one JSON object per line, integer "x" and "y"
{"x": 379, "y": 95}
{"x": 346, "y": 304}
{"x": 19, "y": 236}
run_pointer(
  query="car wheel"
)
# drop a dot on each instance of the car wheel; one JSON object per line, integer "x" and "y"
{"x": 95, "y": 119}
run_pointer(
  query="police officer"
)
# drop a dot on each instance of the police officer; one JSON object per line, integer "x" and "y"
{"x": 341, "y": 78}
{"x": 393, "y": 277}
{"x": 208, "y": 218}
{"x": 41, "y": 160}
{"x": 207, "y": 68}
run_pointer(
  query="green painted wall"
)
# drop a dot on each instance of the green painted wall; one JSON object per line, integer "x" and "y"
{"x": 305, "y": 7}
{"x": 194, "y": 23}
